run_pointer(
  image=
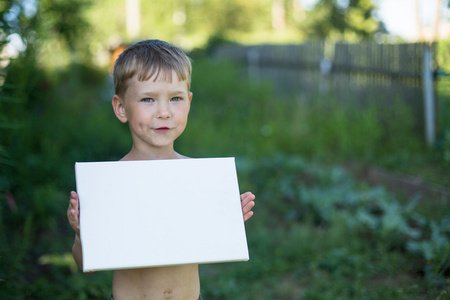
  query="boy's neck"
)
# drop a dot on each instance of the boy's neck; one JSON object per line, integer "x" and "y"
{"x": 135, "y": 154}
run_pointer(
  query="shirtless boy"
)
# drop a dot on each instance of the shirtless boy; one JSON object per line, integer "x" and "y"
{"x": 152, "y": 85}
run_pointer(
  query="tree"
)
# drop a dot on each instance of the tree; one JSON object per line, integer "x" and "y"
{"x": 65, "y": 19}
{"x": 189, "y": 23}
{"x": 348, "y": 19}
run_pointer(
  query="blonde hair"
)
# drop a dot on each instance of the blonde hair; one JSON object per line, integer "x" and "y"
{"x": 150, "y": 58}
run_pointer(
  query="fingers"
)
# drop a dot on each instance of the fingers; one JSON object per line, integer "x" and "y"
{"x": 73, "y": 212}
{"x": 247, "y": 203}
{"x": 73, "y": 206}
{"x": 248, "y": 216}
{"x": 74, "y": 199}
{"x": 247, "y": 197}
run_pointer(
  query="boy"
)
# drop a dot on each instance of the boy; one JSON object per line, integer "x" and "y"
{"x": 152, "y": 85}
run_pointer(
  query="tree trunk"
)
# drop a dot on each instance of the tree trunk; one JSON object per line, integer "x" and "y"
{"x": 419, "y": 25}
{"x": 437, "y": 22}
{"x": 278, "y": 15}
{"x": 133, "y": 21}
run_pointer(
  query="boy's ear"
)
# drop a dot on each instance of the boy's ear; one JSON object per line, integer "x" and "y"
{"x": 119, "y": 109}
{"x": 190, "y": 96}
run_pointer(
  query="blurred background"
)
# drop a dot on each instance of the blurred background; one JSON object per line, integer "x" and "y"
{"x": 338, "y": 112}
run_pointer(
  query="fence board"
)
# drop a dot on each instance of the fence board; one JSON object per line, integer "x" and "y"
{"x": 367, "y": 71}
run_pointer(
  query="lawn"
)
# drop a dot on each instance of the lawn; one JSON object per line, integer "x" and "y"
{"x": 318, "y": 232}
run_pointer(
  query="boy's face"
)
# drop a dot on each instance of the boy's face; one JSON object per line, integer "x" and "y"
{"x": 157, "y": 111}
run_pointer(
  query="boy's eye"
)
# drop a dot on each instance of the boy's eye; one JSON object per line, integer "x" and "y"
{"x": 147, "y": 100}
{"x": 176, "y": 99}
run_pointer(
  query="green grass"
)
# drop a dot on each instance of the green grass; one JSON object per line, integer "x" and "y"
{"x": 317, "y": 232}
{"x": 259, "y": 123}
{"x": 329, "y": 238}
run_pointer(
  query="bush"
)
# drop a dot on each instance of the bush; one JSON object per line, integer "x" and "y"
{"x": 318, "y": 234}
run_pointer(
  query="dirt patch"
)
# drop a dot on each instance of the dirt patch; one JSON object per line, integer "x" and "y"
{"x": 403, "y": 184}
{"x": 407, "y": 185}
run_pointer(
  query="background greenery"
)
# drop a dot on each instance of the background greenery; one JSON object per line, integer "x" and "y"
{"x": 318, "y": 233}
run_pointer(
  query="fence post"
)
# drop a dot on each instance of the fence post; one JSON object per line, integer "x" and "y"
{"x": 428, "y": 97}
{"x": 253, "y": 62}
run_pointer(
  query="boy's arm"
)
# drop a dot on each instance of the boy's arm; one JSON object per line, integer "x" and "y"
{"x": 247, "y": 203}
{"x": 73, "y": 214}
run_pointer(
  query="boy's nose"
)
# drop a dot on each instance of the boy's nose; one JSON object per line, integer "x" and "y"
{"x": 163, "y": 111}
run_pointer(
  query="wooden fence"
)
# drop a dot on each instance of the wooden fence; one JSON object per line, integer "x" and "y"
{"x": 367, "y": 72}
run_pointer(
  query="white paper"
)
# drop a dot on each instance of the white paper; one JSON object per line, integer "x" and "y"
{"x": 159, "y": 212}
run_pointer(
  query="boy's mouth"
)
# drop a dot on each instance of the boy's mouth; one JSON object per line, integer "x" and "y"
{"x": 162, "y": 129}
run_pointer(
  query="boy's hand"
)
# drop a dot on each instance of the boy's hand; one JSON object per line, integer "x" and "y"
{"x": 73, "y": 213}
{"x": 247, "y": 203}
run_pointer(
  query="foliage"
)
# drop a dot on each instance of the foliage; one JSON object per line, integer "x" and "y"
{"x": 319, "y": 127}
{"x": 315, "y": 225}
{"x": 435, "y": 249}
{"x": 56, "y": 133}
{"x": 341, "y": 19}
{"x": 192, "y": 23}
{"x": 42, "y": 116}
{"x": 298, "y": 200}
{"x": 189, "y": 23}
{"x": 65, "y": 19}
{"x": 443, "y": 101}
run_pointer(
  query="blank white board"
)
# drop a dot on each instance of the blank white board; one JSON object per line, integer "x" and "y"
{"x": 136, "y": 214}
